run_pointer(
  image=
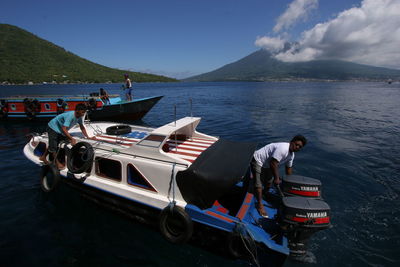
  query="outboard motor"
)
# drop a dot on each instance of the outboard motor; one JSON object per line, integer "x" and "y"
{"x": 302, "y": 212}
{"x": 300, "y": 218}
{"x": 297, "y": 185}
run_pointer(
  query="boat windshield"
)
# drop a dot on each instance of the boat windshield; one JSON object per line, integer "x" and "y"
{"x": 152, "y": 140}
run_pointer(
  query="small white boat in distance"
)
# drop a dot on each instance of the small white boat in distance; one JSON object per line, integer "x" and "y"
{"x": 177, "y": 177}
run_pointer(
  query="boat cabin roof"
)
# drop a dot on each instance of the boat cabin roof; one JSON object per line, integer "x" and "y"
{"x": 184, "y": 126}
{"x": 177, "y": 141}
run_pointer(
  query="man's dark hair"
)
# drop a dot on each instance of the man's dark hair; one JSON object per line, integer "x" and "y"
{"x": 299, "y": 138}
{"x": 80, "y": 106}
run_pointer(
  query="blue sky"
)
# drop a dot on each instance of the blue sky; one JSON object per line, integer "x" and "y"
{"x": 180, "y": 38}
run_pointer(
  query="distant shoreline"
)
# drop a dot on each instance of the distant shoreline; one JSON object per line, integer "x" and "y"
{"x": 51, "y": 83}
{"x": 233, "y": 81}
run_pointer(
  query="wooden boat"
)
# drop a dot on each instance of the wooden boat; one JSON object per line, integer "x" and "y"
{"x": 187, "y": 182}
{"x": 45, "y": 107}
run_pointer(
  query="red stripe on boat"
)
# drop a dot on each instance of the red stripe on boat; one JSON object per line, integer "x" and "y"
{"x": 186, "y": 148}
{"x": 204, "y": 146}
{"x": 248, "y": 198}
{"x": 219, "y": 216}
{"x": 242, "y": 212}
{"x": 222, "y": 209}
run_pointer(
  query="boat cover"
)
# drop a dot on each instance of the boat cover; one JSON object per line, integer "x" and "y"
{"x": 215, "y": 172}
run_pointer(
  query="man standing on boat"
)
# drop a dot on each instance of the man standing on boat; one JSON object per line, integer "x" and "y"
{"x": 57, "y": 130}
{"x": 128, "y": 87}
{"x": 265, "y": 165}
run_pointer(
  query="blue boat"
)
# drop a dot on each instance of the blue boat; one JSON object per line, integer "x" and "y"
{"x": 45, "y": 107}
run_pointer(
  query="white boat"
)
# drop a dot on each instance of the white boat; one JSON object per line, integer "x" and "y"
{"x": 180, "y": 178}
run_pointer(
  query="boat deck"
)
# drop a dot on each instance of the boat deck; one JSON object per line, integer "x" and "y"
{"x": 185, "y": 148}
{"x": 188, "y": 149}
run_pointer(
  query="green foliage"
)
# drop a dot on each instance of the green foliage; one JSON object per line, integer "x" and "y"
{"x": 25, "y": 57}
{"x": 262, "y": 66}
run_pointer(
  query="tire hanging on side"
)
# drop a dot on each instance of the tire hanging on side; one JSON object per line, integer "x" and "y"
{"x": 118, "y": 129}
{"x": 175, "y": 224}
{"x": 91, "y": 104}
{"x": 32, "y": 108}
{"x": 61, "y": 105}
{"x": 3, "y": 113}
{"x": 3, "y": 109}
{"x": 49, "y": 177}
{"x": 80, "y": 158}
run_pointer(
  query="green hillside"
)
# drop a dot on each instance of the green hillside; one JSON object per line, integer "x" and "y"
{"x": 261, "y": 66}
{"x": 25, "y": 57}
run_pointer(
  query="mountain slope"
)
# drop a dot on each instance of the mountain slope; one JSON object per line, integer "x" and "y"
{"x": 25, "y": 57}
{"x": 262, "y": 66}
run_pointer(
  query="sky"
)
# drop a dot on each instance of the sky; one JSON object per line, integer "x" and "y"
{"x": 182, "y": 38}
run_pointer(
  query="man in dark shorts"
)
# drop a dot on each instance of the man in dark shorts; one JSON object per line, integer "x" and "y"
{"x": 128, "y": 88}
{"x": 57, "y": 130}
{"x": 265, "y": 165}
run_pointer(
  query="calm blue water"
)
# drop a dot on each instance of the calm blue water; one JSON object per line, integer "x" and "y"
{"x": 354, "y": 143}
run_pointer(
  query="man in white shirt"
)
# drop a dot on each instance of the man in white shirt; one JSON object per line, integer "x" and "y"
{"x": 265, "y": 165}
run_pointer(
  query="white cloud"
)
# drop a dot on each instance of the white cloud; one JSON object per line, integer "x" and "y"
{"x": 271, "y": 43}
{"x": 297, "y": 10}
{"x": 369, "y": 34}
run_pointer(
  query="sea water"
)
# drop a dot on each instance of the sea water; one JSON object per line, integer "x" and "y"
{"x": 353, "y": 148}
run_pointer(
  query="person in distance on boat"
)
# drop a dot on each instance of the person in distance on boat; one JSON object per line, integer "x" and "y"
{"x": 128, "y": 87}
{"x": 104, "y": 96}
{"x": 57, "y": 130}
{"x": 265, "y": 165}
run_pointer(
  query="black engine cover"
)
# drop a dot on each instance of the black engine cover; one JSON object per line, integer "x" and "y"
{"x": 297, "y": 185}
{"x": 305, "y": 212}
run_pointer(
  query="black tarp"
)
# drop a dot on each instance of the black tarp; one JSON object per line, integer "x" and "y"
{"x": 215, "y": 172}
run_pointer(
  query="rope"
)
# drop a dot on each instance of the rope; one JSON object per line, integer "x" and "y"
{"x": 241, "y": 229}
{"x": 172, "y": 186}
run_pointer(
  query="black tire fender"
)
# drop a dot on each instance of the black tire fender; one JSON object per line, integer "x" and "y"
{"x": 175, "y": 224}
{"x": 3, "y": 113}
{"x": 118, "y": 129}
{"x": 61, "y": 105}
{"x": 91, "y": 104}
{"x": 49, "y": 178}
{"x": 80, "y": 157}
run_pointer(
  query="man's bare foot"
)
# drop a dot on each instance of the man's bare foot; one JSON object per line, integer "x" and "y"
{"x": 44, "y": 160}
{"x": 60, "y": 166}
{"x": 261, "y": 211}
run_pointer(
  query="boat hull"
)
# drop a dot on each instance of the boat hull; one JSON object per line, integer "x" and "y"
{"x": 14, "y": 109}
{"x": 210, "y": 239}
{"x": 126, "y": 111}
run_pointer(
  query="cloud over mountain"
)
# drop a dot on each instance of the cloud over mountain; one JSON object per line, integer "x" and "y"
{"x": 368, "y": 34}
{"x": 297, "y": 10}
